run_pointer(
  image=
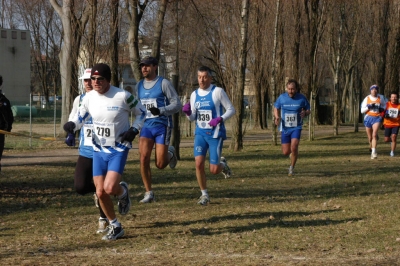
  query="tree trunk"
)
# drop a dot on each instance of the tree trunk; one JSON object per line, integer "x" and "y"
{"x": 273, "y": 73}
{"x": 114, "y": 43}
{"x": 237, "y": 133}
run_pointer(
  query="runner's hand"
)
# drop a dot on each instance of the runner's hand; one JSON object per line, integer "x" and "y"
{"x": 154, "y": 111}
{"x": 70, "y": 140}
{"x": 214, "y": 122}
{"x": 186, "y": 109}
{"x": 129, "y": 135}
{"x": 69, "y": 127}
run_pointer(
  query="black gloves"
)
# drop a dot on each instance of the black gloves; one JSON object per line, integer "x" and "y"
{"x": 129, "y": 135}
{"x": 154, "y": 111}
{"x": 69, "y": 127}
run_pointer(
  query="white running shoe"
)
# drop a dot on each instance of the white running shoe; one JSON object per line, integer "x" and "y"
{"x": 291, "y": 168}
{"x": 374, "y": 155}
{"x": 391, "y": 154}
{"x": 103, "y": 226}
{"x": 204, "y": 200}
{"x": 148, "y": 197}
{"x": 174, "y": 160}
{"x": 227, "y": 170}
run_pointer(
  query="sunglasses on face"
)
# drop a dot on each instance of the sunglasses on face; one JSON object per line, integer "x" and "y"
{"x": 99, "y": 79}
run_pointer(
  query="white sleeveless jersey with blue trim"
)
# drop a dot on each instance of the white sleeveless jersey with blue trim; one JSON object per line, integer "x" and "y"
{"x": 110, "y": 117}
{"x": 207, "y": 104}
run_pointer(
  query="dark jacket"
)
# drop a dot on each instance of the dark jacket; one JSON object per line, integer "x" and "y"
{"x": 6, "y": 115}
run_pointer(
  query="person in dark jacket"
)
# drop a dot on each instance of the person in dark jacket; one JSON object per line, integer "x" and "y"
{"x": 6, "y": 117}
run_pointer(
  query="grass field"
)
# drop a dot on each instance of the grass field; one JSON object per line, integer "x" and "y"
{"x": 340, "y": 208}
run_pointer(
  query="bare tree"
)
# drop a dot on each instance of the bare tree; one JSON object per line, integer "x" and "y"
{"x": 237, "y": 96}
{"x": 72, "y": 33}
{"x": 134, "y": 10}
{"x": 315, "y": 25}
{"x": 114, "y": 42}
{"x": 273, "y": 69}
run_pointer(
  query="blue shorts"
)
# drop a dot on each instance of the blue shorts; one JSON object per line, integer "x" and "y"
{"x": 104, "y": 162}
{"x": 160, "y": 134}
{"x": 370, "y": 120}
{"x": 287, "y": 136}
{"x": 202, "y": 144}
{"x": 391, "y": 131}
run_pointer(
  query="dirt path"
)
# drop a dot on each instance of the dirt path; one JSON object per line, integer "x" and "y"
{"x": 68, "y": 154}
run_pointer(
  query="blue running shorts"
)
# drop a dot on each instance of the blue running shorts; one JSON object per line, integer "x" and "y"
{"x": 203, "y": 143}
{"x": 160, "y": 134}
{"x": 104, "y": 162}
{"x": 370, "y": 120}
{"x": 287, "y": 136}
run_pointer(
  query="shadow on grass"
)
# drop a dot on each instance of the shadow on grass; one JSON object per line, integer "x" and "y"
{"x": 277, "y": 221}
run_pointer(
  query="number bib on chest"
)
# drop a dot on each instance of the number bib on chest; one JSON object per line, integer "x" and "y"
{"x": 148, "y": 103}
{"x": 105, "y": 133}
{"x": 87, "y": 134}
{"x": 290, "y": 120}
{"x": 203, "y": 118}
{"x": 393, "y": 112}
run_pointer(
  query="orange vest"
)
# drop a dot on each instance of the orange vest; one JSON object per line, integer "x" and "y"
{"x": 374, "y": 111}
{"x": 394, "y": 119}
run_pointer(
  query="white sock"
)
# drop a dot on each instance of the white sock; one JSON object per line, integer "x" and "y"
{"x": 115, "y": 223}
{"x": 204, "y": 192}
{"x": 373, "y": 150}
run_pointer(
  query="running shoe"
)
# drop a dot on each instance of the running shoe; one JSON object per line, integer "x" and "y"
{"x": 374, "y": 155}
{"x": 148, "y": 198}
{"x": 103, "y": 226}
{"x": 113, "y": 233}
{"x": 291, "y": 168}
{"x": 204, "y": 200}
{"x": 124, "y": 204}
{"x": 174, "y": 160}
{"x": 227, "y": 170}
{"x": 391, "y": 154}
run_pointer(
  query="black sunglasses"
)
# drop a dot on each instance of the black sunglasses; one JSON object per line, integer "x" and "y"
{"x": 99, "y": 79}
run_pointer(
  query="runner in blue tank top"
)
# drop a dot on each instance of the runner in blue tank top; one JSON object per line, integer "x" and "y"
{"x": 161, "y": 101}
{"x": 206, "y": 107}
{"x": 289, "y": 110}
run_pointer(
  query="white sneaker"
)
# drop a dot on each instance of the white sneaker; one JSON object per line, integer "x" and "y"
{"x": 391, "y": 154}
{"x": 103, "y": 226}
{"x": 148, "y": 198}
{"x": 374, "y": 155}
{"x": 291, "y": 168}
{"x": 227, "y": 170}
{"x": 204, "y": 200}
{"x": 174, "y": 160}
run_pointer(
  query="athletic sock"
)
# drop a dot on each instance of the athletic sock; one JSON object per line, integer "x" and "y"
{"x": 204, "y": 192}
{"x": 115, "y": 223}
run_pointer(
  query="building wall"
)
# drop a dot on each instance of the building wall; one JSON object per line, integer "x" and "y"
{"x": 15, "y": 65}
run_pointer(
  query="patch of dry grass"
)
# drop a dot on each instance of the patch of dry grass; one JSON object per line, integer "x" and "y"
{"x": 341, "y": 207}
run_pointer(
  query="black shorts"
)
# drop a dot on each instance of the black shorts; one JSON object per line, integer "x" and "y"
{"x": 391, "y": 131}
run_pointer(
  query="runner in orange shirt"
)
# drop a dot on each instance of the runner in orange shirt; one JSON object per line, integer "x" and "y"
{"x": 391, "y": 121}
